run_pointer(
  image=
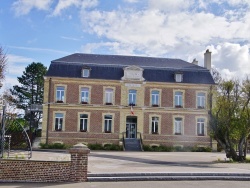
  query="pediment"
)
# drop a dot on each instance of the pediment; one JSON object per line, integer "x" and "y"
{"x": 133, "y": 73}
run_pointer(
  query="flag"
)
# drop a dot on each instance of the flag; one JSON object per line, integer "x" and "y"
{"x": 132, "y": 110}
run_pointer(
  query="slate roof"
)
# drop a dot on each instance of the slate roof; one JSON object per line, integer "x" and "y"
{"x": 110, "y": 67}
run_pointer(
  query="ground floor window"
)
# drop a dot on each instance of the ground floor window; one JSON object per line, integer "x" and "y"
{"x": 154, "y": 125}
{"x": 178, "y": 126}
{"x": 108, "y": 123}
{"x": 83, "y": 122}
{"x": 58, "y": 121}
{"x": 200, "y": 126}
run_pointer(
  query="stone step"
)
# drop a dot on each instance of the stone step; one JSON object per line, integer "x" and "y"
{"x": 167, "y": 177}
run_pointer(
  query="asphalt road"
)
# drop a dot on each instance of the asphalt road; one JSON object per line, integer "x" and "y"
{"x": 144, "y": 184}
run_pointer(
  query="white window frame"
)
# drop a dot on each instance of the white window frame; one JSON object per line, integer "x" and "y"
{"x": 132, "y": 96}
{"x": 201, "y": 100}
{"x": 85, "y": 73}
{"x": 109, "y": 123}
{"x": 60, "y": 127}
{"x": 155, "y": 97}
{"x": 155, "y": 123}
{"x": 178, "y": 99}
{"x": 109, "y": 92}
{"x": 178, "y": 126}
{"x": 178, "y": 77}
{"x": 60, "y": 93}
{"x": 201, "y": 123}
{"x": 84, "y": 121}
{"x": 84, "y": 92}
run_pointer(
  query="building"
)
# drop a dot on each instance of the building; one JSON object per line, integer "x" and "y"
{"x": 92, "y": 98}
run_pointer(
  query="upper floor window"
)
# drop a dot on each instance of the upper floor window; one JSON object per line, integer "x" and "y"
{"x": 178, "y": 99}
{"x": 132, "y": 97}
{"x": 109, "y": 96}
{"x": 58, "y": 121}
{"x": 201, "y": 126}
{"x": 85, "y": 72}
{"x": 155, "y": 124}
{"x": 178, "y": 126}
{"x": 155, "y": 98}
{"x": 201, "y": 100}
{"x": 178, "y": 77}
{"x": 108, "y": 123}
{"x": 60, "y": 92}
{"x": 83, "y": 122}
{"x": 84, "y": 95}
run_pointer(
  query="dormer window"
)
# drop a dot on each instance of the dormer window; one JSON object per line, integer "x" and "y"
{"x": 85, "y": 72}
{"x": 178, "y": 77}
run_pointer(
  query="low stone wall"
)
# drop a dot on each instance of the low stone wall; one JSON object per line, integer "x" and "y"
{"x": 47, "y": 171}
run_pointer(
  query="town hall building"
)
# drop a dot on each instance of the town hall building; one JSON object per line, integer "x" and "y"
{"x": 91, "y": 98}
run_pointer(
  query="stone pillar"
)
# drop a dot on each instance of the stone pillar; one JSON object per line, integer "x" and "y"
{"x": 79, "y": 163}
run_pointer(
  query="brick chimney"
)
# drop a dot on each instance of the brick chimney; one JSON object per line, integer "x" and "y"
{"x": 207, "y": 59}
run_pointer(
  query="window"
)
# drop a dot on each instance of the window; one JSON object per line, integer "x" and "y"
{"x": 155, "y": 98}
{"x": 201, "y": 100}
{"x": 84, "y": 95}
{"x": 178, "y": 126}
{"x": 132, "y": 97}
{"x": 178, "y": 77}
{"x": 58, "y": 121}
{"x": 60, "y": 92}
{"x": 107, "y": 123}
{"x": 109, "y": 96}
{"x": 178, "y": 99}
{"x": 155, "y": 123}
{"x": 83, "y": 122}
{"x": 200, "y": 126}
{"x": 85, "y": 72}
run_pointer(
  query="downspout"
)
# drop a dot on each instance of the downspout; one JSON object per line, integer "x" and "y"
{"x": 48, "y": 113}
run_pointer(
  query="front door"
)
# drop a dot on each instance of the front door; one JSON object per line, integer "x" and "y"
{"x": 131, "y": 127}
{"x": 131, "y": 130}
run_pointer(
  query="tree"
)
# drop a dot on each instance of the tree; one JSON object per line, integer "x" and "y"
{"x": 230, "y": 117}
{"x": 30, "y": 90}
{"x": 3, "y": 63}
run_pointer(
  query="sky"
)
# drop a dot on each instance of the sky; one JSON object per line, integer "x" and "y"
{"x": 45, "y": 30}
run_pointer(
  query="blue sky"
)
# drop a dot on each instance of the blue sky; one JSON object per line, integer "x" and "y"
{"x": 44, "y": 30}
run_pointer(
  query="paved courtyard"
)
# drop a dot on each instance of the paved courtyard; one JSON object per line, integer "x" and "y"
{"x": 127, "y": 162}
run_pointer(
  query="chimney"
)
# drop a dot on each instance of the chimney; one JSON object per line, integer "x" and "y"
{"x": 207, "y": 59}
{"x": 195, "y": 62}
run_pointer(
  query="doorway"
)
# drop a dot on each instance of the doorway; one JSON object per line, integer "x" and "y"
{"x": 131, "y": 127}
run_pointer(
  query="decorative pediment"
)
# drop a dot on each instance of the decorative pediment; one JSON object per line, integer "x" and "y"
{"x": 133, "y": 73}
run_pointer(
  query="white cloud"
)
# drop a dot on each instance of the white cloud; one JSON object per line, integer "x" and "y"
{"x": 23, "y": 7}
{"x": 82, "y": 4}
{"x": 131, "y": 1}
{"x": 170, "y": 5}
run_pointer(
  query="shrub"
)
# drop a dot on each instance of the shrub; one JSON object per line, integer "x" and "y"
{"x": 160, "y": 148}
{"x": 201, "y": 149}
{"x": 95, "y": 146}
{"x": 112, "y": 147}
{"x": 53, "y": 146}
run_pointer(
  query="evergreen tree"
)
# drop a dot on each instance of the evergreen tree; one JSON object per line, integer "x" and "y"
{"x": 30, "y": 90}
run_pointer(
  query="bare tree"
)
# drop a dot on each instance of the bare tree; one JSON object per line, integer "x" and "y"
{"x": 3, "y": 64}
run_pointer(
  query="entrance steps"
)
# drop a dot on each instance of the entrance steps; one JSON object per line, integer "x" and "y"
{"x": 132, "y": 144}
{"x": 167, "y": 177}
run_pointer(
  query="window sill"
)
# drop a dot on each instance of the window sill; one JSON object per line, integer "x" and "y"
{"x": 155, "y": 105}
{"x": 108, "y": 103}
{"x": 84, "y": 102}
{"x": 178, "y": 106}
{"x": 200, "y": 107}
{"x": 107, "y": 131}
{"x": 155, "y": 133}
{"x": 177, "y": 133}
{"x": 201, "y": 134}
{"x": 59, "y": 102}
{"x": 131, "y": 104}
{"x": 83, "y": 130}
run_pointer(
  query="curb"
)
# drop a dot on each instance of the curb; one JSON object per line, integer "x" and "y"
{"x": 167, "y": 177}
